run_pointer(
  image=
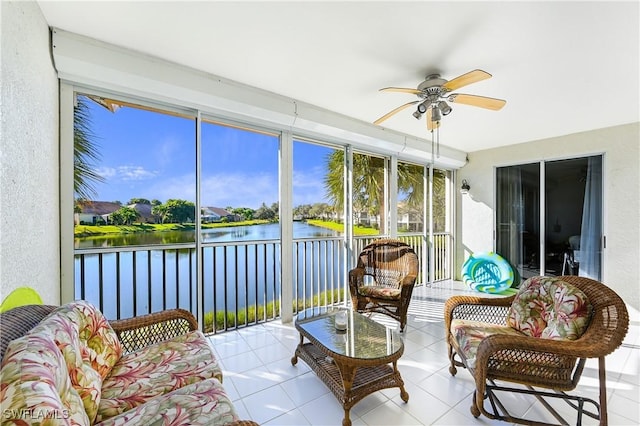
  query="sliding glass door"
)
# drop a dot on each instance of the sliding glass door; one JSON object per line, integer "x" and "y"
{"x": 549, "y": 217}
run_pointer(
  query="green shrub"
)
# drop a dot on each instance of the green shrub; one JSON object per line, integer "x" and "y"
{"x": 272, "y": 311}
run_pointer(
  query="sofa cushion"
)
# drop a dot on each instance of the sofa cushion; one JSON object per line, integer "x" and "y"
{"x": 549, "y": 308}
{"x": 157, "y": 370}
{"x": 88, "y": 344}
{"x": 469, "y": 334}
{"x": 36, "y": 387}
{"x": 201, "y": 403}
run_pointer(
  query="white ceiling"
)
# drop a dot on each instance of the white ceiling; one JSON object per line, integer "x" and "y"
{"x": 563, "y": 67}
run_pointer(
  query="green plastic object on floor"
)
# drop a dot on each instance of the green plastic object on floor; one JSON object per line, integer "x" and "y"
{"x": 19, "y": 297}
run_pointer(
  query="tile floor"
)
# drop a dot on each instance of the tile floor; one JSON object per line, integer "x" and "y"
{"x": 266, "y": 388}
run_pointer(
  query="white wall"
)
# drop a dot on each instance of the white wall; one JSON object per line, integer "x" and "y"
{"x": 29, "y": 201}
{"x": 621, "y": 148}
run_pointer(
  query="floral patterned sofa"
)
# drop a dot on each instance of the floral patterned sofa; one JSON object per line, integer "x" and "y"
{"x": 76, "y": 368}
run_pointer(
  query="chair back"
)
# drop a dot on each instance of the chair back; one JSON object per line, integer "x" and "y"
{"x": 388, "y": 261}
{"x": 609, "y": 321}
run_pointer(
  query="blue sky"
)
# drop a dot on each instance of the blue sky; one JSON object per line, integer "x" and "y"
{"x": 151, "y": 155}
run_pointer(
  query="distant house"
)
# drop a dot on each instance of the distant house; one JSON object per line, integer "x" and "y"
{"x": 409, "y": 219}
{"x": 144, "y": 210}
{"x": 92, "y": 212}
{"x": 216, "y": 214}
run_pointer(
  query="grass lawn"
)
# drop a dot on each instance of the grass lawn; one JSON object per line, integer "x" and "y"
{"x": 90, "y": 230}
{"x": 337, "y": 226}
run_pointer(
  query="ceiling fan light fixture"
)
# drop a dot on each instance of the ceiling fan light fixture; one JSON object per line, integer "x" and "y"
{"x": 422, "y": 108}
{"x": 417, "y": 114}
{"x": 435, "y": 113}
{"x": 444, "y": 108}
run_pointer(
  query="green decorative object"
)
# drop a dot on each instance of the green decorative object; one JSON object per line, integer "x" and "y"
{"x": 487, "y": 272}
{"x": 19, "y": 297}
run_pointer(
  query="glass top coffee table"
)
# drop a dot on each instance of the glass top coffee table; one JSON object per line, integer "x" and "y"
{"x": 353, "y": 363}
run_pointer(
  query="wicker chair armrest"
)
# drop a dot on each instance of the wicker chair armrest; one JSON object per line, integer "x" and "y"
{"x": 475, "y": 308}
{"x": 18, "y": 321}
{"x": 408, "y": 280}
{"x": 137, "y": 332}
{"x": 243, "y": 423}
{"x": 580, "y": 348}
{"x": 356, "y": 274}
{"x": 356, "y": 278}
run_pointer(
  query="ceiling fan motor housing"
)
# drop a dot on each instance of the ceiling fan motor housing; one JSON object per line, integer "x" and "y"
{"x": 431, "y": 88}
{"x": 432, "y": 81}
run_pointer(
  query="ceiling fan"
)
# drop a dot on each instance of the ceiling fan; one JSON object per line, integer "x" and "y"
{"x": 434, "y": 92}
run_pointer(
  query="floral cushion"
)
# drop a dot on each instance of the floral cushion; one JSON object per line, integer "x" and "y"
{"x": 469, "y": 334}
{"x": 549, "y": 308}
{"x": 157, "y": 370}
{"x": 36, "y": 387}
{"x": 387, "y": 293}
{"x": 89, "y": 346}
{"x": 201, "y": 403}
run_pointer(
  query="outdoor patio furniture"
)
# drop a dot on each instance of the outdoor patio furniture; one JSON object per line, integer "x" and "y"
{"x": 70, "y": 364}
{"x": 538, "y": 339}
{"x": 383, "y": 279}
{"x": 353, "y": 362}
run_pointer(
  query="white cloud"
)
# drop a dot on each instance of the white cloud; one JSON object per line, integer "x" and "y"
{"x": 221, "y": 190}
{"x": 308, "y": 186}
{"x": 127, "y": 173}
{"x": 176, "y": 187}
{"x": 106, "y": 172}
{"x": 239, "y": 190}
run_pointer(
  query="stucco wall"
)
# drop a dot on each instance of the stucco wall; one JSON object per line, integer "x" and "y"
{"x": 621, "y": 148}
{"x": 29, "y": 212}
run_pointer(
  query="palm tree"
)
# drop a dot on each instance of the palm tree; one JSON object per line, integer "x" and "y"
{"x": 85, "y": 152}
{"x": 368, "y": 184}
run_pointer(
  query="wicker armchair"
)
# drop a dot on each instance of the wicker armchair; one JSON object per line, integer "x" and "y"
{"x": 554, "y": 365}
{"x": 383, "y": 279}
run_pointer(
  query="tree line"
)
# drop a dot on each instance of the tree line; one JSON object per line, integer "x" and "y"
{"x": 183, "y": 211}
{"x": 368, "y": 194}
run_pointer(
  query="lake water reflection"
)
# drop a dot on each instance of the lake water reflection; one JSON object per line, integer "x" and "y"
{"x": 270, "y": 231}
{"x": 233, "y": 275}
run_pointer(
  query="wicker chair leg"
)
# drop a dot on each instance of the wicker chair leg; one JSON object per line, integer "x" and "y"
{"x": 452, "y": 368}
{"x": 603, "y": 392}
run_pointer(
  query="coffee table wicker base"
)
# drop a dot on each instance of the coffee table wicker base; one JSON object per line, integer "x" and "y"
{"x": 349, "y": 381}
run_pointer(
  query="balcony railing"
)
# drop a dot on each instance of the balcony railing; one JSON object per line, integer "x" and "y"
{"x": 241, "y": 280}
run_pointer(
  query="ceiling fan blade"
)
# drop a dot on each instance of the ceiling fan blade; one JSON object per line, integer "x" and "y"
{"x": 390, "y": 113}
{"x": 431, "y": 124}
{"x": 479, "y": 101}
{"x": 466, "y": 79}
{"x": 400, "y": 89}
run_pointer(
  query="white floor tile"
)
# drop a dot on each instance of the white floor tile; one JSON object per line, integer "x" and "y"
{"x": 322, "y": 411}
{"x": 290, "y": 418}
{"x": 255, "y": 380}
{"x": 449, "y": 389}
{"x": 242, "y": 362}
{"x": 268, "y": 404}
{"x": 304, "y": 388}
{"x": 266, "y": 388}
{"x": 389, "y": 414}
{"x": 421, "y": 405}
